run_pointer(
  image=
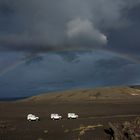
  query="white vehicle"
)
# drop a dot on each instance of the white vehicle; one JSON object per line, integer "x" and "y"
{"x": 72, "y": 116}
{"x": 31, "y": 117}
{"x": 56, "y": 117}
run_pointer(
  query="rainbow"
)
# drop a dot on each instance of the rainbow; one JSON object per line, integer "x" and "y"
{"x": 11, "y": 67}
{"x": 20, "y": 62}
{"x": 16, "y": 64}
{"x": 124, "y": 56}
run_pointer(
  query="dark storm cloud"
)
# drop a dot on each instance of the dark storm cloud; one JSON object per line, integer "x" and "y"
{"x": 127, "y": 39}
{"x": 43, "y": 25}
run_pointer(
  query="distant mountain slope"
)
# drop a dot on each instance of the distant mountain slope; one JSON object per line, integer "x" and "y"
{"x": 135, "y": 87}
{"x": 108, "y": 93}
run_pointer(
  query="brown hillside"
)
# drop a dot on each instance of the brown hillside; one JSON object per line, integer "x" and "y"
{"x": 108, "y": 93}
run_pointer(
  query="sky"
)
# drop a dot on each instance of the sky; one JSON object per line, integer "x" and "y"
{"x": 60, "y": 45}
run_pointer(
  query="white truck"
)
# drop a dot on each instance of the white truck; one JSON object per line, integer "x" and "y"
{"x": 72, "y": 116}
{"x": 56, "y": 117}
{"x": 31, "y": 117}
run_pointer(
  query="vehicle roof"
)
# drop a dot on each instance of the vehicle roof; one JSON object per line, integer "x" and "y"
{"x": 71, "y": 113}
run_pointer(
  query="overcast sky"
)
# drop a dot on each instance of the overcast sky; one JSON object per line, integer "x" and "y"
{"x": 74, "y": 41}
{"x": 43, "y": 25}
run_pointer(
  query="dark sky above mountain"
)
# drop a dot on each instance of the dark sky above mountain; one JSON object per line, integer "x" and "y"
{"x": 82, "y": 39}
{"x": 57, "y": 72}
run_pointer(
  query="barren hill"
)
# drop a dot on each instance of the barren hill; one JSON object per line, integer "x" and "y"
{"x": 107, "y": 93}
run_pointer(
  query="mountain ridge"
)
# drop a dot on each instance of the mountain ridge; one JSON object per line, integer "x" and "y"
{"x": 105, "y": 93}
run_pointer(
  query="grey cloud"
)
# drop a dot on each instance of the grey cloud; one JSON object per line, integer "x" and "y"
{"x": 82, "y": 32}
{"x": 127, "y": 39}
{"x": 43, "y": 25}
